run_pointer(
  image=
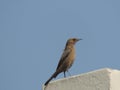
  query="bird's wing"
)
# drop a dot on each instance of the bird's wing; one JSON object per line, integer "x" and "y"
{"x": 63, "y": 57}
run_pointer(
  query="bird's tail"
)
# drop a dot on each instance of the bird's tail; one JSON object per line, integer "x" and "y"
{"x": 53, "y": 76}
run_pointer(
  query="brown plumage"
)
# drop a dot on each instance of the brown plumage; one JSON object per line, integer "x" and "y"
{"x": 66, "y": 59}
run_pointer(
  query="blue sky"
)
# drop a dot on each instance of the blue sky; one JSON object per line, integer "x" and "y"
{"x": 33, "y": 34}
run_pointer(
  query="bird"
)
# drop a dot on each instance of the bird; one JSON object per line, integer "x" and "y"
{"x": 66, "y": 60}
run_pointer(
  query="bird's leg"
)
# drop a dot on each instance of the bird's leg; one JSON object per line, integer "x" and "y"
{"x": 64, "y": 74}
{"x": 69, "y": 73}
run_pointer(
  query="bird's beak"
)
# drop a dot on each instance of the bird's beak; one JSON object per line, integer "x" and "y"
{"x": 79, "y": 39}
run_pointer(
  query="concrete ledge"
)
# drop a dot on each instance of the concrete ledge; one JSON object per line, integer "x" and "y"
{"x": 103, "y": 79}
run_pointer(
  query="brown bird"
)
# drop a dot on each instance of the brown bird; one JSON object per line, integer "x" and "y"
{"x": 66, "y": 59}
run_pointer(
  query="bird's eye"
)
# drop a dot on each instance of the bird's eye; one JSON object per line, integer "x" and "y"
{"x": 74, "y": 39}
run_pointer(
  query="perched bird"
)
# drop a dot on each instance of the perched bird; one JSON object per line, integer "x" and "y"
{"x": 66, "y": 59}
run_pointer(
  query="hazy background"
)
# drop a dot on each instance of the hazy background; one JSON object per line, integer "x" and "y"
{"x": 33, "y": 34}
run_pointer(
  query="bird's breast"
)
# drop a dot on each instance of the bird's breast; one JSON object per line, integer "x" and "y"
{"x": 71, "y": 58}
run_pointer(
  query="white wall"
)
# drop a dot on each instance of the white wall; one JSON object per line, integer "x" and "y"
{"x": 104, "y": 79}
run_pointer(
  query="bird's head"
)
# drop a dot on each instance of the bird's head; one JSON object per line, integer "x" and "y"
{"x": 73, "y": 40}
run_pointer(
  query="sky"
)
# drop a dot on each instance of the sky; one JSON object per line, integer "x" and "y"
{"x": 33, "y": 34}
